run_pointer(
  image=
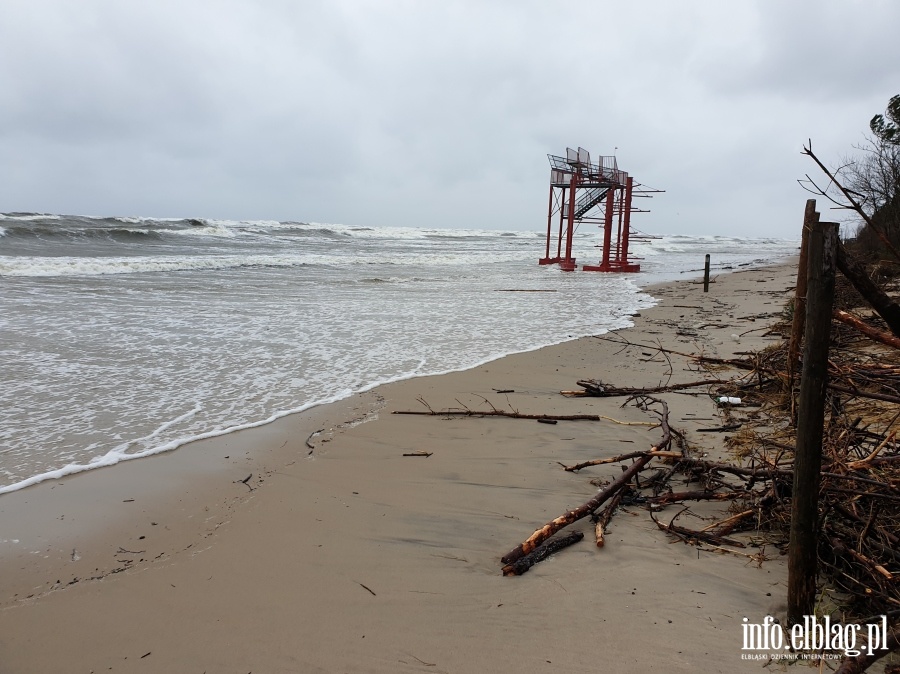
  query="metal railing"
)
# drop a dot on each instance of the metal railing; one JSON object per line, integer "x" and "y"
{"x": 605, "y": 170}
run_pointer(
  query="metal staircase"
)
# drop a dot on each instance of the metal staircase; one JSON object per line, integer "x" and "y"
{"x": 591, "y": 197}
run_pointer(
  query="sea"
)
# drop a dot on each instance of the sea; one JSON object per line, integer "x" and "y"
{"x": 124, "y": 337}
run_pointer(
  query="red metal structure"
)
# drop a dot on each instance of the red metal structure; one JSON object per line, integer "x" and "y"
{"x": 582, "y": 191}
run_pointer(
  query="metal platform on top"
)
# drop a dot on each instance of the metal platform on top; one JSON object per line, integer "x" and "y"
{"x": 603, "y": 172}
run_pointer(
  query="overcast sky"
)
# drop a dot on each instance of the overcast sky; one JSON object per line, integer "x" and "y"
{"x": 427, "y": 113}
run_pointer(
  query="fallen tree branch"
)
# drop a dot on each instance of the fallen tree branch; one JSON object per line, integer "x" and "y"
{"x": 859, "y": 324}
{"x": 604, "y": 518}
{"x": 578, "y": 513}
{"x": 841, "y": 548}
{"x": 736, "y": 362}
{"x": 621, "y": 457}
{"x": 768, "y": 472}
{"x": 720, "y": 429}
{"x": 863, "y": 394}
{"x": 867, "y": 461}
{"x": 880, "y": 301}
{"x": 727, "y": 525}
{"x": 701, "y": 495}
{"x": 546, "y": 531}
{"x": 541, "y": 553}
{"x": 854, "y": 204}
{"x": 501, "y": 413}
{"x": 597, "y": 389}
{"x": 687, "y": 535}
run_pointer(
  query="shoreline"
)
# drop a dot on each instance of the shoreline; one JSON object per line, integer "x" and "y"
{"x": 462, "y": 503}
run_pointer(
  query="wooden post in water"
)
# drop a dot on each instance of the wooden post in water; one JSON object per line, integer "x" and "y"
{"x": 706, "y": 275}
{"x": 793, "y": 361}
{"x": 802, "y": 558}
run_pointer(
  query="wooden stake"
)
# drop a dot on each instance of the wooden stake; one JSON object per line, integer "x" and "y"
{"x": 802, "y": 556}
{"x": 809, "y": 218}
{"x": 706, "y": 275}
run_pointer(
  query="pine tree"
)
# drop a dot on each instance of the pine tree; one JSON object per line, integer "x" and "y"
{"x": 888, "y": 131}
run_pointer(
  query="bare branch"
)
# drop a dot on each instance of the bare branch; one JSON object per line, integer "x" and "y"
{"x": 807, "y": 150}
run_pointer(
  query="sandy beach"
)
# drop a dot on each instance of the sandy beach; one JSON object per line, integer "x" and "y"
{"x": 313, "y": 544}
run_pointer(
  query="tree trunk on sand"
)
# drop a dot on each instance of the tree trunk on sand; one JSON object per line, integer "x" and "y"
{"x": 886, "y": 307}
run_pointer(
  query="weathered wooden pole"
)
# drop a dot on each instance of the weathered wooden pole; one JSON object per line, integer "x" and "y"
{"x": 802, "y": 558}
{"x": 793, "y": 361}
{"x": 706, "y": 275}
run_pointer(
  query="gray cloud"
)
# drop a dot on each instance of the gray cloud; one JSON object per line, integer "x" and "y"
{"x": 435, "y": 114}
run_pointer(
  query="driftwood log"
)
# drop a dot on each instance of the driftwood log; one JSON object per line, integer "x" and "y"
{"x": 880, "y": 301}
{"x": 587, "y": 508}
{"x": 597, "y": 389}
{"x": 689, "y": 535}
{"x": 697, "y": 495}
{"x": 541, "y": 553}
{"x": 864, "y": 394}
{"x": 501, "y": 413}
{"x": 859, "y": 324}
{"x": 604, "y": 518}
{"x": 622, "y": 457}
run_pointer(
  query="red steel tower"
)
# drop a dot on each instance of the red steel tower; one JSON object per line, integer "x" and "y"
{"x": 582, "y": 191}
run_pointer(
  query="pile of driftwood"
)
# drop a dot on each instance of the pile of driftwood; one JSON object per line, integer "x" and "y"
{"x": 537, "y": 547}
{"x": 860, "y": 486}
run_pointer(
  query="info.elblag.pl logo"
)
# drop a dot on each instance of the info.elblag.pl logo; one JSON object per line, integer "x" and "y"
{"x": 815, "y": 636}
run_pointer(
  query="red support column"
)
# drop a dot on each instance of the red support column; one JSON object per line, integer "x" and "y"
{"x": 547, "y": 259}
{"x": 607, "y": 228}
{"x": 568, "y": 262}
{"x": 626, "y": 227}
{"x": 562, "y": 209}
{"x": 621, "y": 200}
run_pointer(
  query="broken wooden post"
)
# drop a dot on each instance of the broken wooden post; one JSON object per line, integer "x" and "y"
{"x": 706, "y": 275}
{"x": 802, "y": 551}
{"x": 809, "y": 218}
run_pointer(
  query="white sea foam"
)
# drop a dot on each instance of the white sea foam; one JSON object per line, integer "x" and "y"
{"x": 136, "y": 219}
{"x": 407, "y": 233}
{"x": 119, "y": 453}
{"x": 98, "y": 266}
{"x": 209, "y": 230}
{"x": 26, "y": 217}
